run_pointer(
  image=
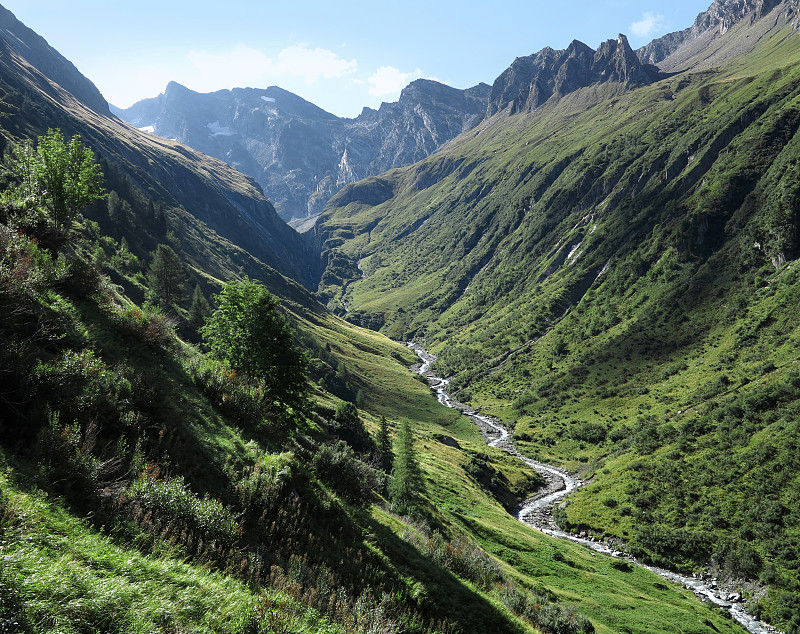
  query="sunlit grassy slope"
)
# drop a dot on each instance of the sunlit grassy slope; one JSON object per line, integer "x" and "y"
{"x": 615, "y": 277}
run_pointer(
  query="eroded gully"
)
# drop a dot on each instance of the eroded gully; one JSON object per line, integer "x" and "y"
{"x": 537, "y": 511}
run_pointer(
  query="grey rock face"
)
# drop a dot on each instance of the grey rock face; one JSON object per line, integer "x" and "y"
{"x": 530, "y": 81}
{"x": 300, "y": 154}
{"x": 720, "y": 17}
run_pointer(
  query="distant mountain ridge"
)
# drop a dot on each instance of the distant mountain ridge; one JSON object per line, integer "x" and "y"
{"x": 300, "y": 154}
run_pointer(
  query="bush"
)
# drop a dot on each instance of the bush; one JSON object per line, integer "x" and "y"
{"x": 66, "y": 454}
{"x": 594, "y": 433}
{"x": 460, "y": 556}
{"x": 25, "y": 268}
{"x": 171, "y": 498}
{"x": 338, "y": 466}
{"x": 549, "y": 617}
{"x": 146, "y": 324}
{"x": 256, "y": 486}
{"x": 238, "y": 397}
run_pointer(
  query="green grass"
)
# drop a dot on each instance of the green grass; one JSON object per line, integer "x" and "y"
{"x": 604, "y": 275}
{"x": 63, "y": 575}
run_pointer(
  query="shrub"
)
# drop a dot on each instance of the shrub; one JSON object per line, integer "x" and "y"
{"x": 146, "y": 324}
{"x": 461, "y": 556}
{"x": 594, "y": 433}
{"x": 337, "y": 464}
{"x": 25, "y": 268}
{"x": 238, "y": 397}
{"x": 256, "y": 486}
{"x": 172, "y": 499}
{"x": 549, "y": 617}
{"x": 66, "y": 454}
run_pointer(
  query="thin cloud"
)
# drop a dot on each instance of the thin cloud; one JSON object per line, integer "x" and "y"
{"x": 389, "y": 81}
{"x": 246, "y": 66}
{"x": 650, "y": 24}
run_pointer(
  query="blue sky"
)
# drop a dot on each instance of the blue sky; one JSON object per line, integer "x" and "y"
{"x": 340, "y": 56}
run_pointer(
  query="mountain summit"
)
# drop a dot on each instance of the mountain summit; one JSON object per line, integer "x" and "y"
{"x": 720, "y": 17}
{"x": 300, "y": 154}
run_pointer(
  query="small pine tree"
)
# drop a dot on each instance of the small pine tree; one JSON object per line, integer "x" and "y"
{"x": 166, "y": 276}
{"x": 199, "y": 309}
{"x": 406, "y": 482}
{"x": 385, "y": 445}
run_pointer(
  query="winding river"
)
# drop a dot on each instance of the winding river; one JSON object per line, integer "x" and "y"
{"x": 537, "y": 511}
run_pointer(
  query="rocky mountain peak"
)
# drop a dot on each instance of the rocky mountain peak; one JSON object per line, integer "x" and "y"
{"x": 720, "y": 17}
{"x": 531, "y": 81}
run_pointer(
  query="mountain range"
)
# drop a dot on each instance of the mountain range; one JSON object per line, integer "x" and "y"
{"x": 300, "y": 154}
{"x": 600, "y": 248}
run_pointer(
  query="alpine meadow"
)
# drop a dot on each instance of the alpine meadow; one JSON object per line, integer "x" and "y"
{"x": 523, "y": 357}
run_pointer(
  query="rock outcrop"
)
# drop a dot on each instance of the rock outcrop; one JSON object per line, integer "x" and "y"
{"x": 718, "y": 20}
{"x": 531, "y": 81}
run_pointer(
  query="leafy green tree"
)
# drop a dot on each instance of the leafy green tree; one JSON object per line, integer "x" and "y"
{"x": 406, "y": 482}
{"x": 248, "y": 332}
{"x": 166, "y": 276}
{"x": 61, "y": 176}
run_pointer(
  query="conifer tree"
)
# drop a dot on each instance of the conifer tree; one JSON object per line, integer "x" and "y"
{"x": 199, "y": 309}
{"x": 166, "y": 276}
{"x": 406, "y": 482}
{"x": 385, "y": 445}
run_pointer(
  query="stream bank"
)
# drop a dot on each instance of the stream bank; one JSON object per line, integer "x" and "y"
{"x": 537, "y": 511}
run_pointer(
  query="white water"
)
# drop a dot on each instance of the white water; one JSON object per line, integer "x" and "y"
{"x": 536, "y": 511}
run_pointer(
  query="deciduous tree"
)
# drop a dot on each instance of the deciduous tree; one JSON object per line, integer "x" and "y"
{"x": 61, "y": 176}
{"x": 248, "y": 332}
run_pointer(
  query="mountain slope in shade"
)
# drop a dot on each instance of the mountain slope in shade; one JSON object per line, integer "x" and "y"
{"x": 202, "y": 190}
{"x": 300, "y": 154}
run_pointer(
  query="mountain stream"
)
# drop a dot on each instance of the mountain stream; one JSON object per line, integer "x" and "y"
{"x": 537, "y": 511}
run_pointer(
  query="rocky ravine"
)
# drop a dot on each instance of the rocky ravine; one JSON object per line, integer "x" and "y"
{"x": 537, "y": 511}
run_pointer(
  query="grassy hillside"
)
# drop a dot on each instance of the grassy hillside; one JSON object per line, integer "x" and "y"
{"x": 615, "y": 278}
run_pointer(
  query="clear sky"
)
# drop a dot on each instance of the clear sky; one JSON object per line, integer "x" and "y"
{"x": 339, "y": 55}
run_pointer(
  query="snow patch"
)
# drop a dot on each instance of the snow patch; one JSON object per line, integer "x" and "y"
{"x": 218, "y": 130}
{"x": 150, "y": 129}
{"x": 268, "y": 99}
{"x": 572, "y": 256}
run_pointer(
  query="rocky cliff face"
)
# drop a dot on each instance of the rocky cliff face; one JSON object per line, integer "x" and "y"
{"x": 718, "y": 20}
{"x": 530, "y": 81}
{"x": 300, "y": 154}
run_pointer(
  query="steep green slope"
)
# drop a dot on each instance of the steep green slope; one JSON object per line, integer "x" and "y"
{"x": 128, "y": 479}
{"x": 609, "y": 274}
